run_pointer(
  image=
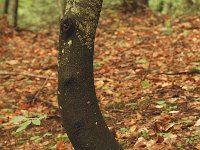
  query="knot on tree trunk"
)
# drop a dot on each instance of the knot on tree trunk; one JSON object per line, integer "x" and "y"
{"x": 66, "y": 27}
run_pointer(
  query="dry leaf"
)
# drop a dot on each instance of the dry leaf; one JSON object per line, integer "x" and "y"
{"x": 197, "y": 123}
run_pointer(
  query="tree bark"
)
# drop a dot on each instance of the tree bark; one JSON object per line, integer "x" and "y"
{"x": 82, "y": 118}
{"x": 6, "y": 6}
{"x": 15, "y": 13}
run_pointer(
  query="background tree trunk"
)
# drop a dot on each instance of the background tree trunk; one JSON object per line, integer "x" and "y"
{"x": 133, "y": 5}
{"x": 78, "y": 103}
{"x": 6, "y": 6}
{"x": 62, "y": 4}
{"x": 15, "y": 13}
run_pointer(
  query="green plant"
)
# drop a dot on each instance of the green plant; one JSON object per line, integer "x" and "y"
{"x": 144, "y": 62}
{"x": 38, "y": 138}
{"x": 165, "y": 135}
{"x": 124, "y": 143}
{"x": 145, "y": 84}
{"x": 168, "y": 28}
{"x": 145, "y": 134}
{"x": 180, "y": 147}
{"x": 115, "y": 105}
{"x": 123, "y": 130}
{"x": 183, "y": 122}
{"x": 190, "y": 140}
{"x": 170, "y": 108}
{"x": 20, "y": 142}
{"x": 24, "y": 121}
{"x": 97, "y": 64}
{"x": 133, "y": 106}
{"x": 165, "y": 106}
{"x": 63, "y": 137}
{"x": 174, "y": 8}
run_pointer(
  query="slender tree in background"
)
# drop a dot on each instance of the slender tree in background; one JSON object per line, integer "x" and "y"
{"x": 133, "y": 5}
{"x": 15, "y": 13}
{"x": 6, "y": 6}
{"x": 62, "y": 4}
{"x": 189, "y": 3}
{"x": 78, "y": 103}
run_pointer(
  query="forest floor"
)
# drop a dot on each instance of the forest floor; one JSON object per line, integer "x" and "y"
{"x": 147, "y": 77}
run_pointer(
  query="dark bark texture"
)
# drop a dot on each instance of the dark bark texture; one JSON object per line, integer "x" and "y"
{"x": 15, "y": 13}
{"x": 78, "y": 103}
{"x": 6, "y": 5}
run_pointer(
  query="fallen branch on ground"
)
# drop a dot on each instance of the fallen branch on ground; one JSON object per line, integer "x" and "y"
{"x": 38, "y": 92}
{"x": 179, "y": 73}
{"x": 26, "y": 74}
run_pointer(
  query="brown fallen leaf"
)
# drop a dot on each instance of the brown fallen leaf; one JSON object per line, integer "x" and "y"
{"x": 61, "y": 145}
{"x": 197, "y": 123}
{"x": 12, "y": 62}
{"x": 198, "y": 146}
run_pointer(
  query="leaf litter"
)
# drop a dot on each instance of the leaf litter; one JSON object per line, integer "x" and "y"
{"x": 146, "y": 76}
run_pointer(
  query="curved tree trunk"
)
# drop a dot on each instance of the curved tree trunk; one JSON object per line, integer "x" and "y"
{"x": 78, "y": 104}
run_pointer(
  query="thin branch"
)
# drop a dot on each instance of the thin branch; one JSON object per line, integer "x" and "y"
{"x": 178, "y": 73}
{"x": 38, "y": 92}
{"x": 149, "y": 66}
{"x": 170, "y": 74}
{"x": 26, "y": 74}
{"x": 59, "y": 3}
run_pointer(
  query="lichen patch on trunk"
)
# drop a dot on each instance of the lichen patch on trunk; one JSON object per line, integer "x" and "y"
{"x": 86, "y": 17}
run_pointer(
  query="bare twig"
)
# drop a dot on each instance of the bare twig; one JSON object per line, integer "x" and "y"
{"x": 170, "y": 74}
{"x": 149, "y": 66}
{"x": 49, "y": 104}
{"x": 38, "y": 92}
{"x": 26, "y": 74}
{"x": 178, "y": 73}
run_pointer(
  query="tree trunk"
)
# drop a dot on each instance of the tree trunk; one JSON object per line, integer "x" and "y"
{"x": 82, "y": 118}
{"x": 6, "y": 6}
{"x": 133, "y": 5}
{"x": 62, "y": 4}
{"x": 15, "y": 13}
{"x": 144, "y": 2}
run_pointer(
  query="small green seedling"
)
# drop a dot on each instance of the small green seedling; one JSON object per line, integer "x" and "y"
{"x": 26, "y": 121}
{"x": 145, "y": 84}
{"x": 97, "y": 64}
{"x": 190, "y": 140}
{"x": 133, "y": 106}
{"x": 36, "y": 138}
{"x": 145, "y": 134}
{"x": 184, "y": 122}
{"x": 165, "y": 135}
{"x": 63, "y": 137}
{"x": 123, "y": 130}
